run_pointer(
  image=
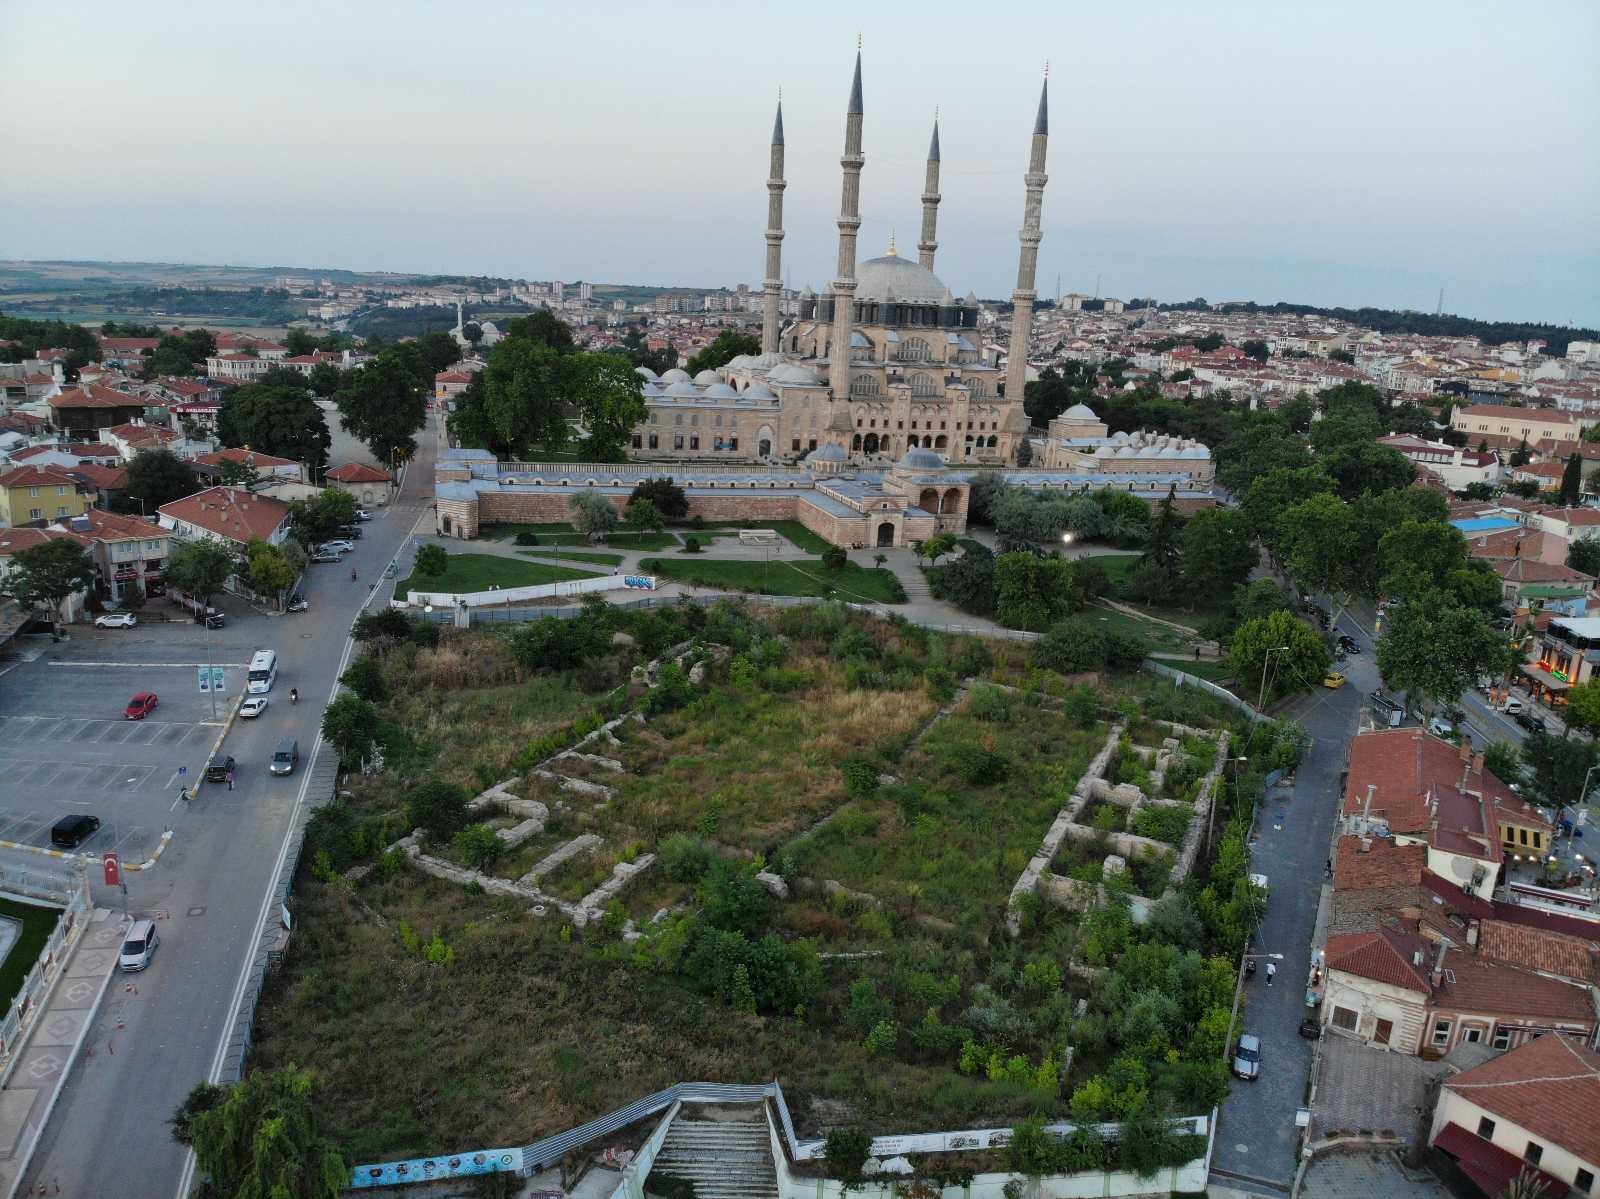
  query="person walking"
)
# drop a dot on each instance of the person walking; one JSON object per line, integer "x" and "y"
{"x": 1272, "y": 968}
{"x": 230, "y": 779}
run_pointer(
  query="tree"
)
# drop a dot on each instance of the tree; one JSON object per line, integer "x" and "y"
{"x": 438, "y": 349}
{"x": 202, "y": 567}
{"x": 1273, "y": 493}
{"x": 1156, "y": 575}
{"x": 158, "y": 477}
{"x": 1434, "y": 648}
{"x": 936, "y": 547}
{"x": 180, "y": 353}
{"x": 666, "y": 495}
{"x": 267, "y": 569}
{"x": 1024, "y": 452}
{"x": 439, "y": 808}
{"x": 282, "y": 420}
{"x": 1277, "y": 654}
{"x": 432, "y": 561}
{"x": 1366, "y": 466}
{"x": 1218, "y": 552}
{"x": 1521, "y": 455}
{"x": 1559, "y": 766}
{"x": 351, "y": 726}
{"x": 43, "y": 576}
{"x": 1584, "y": 554}
{"x": 473, "y": 332}
{"x": 1320, "y": 543}
{"x": 1418, "y": 556}
{"x": 516, "y": 405}
{"x": 1583, "y": 707}
{"x": 729, "y": 344}
{"x": 259, "y": 1137}
{"x": 1256, "y": 349}
{"x": 593, "y": 515}
{"x": 382, "y": 405}
{"x": 238, "y": 474}
{"x": 541, "y": 328}
{"x": 609, "y": 397}
{"x": 324, "y": 380}
{"x": 834, "y": 558}
{"x": 1571, "y": 482}
{"x": 643, "y": 516}
{"x": 1033, "y": 592}
{"x": 317, "y": 519}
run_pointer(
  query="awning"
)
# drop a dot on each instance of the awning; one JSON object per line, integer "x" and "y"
{"x": 1545, "y": 678}
{"x": 1488, "y": 1165}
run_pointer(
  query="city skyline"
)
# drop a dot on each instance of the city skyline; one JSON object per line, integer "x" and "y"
{"x": 1257, "y": 155}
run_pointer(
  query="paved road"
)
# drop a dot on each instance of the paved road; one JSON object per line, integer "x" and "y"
{"x": 108, "y": 1136}
{"x": 1256, "y": 1135}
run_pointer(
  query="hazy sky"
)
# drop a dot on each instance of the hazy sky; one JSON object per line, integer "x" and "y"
{"x": 1342, "y": 153}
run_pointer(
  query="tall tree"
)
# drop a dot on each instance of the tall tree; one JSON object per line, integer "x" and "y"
{"x": 43, "y": 576}
{"x": 608, "y": 395}
{"x": 438, "y": 349}
{"x": 202, "y": 567}
{"x": 592, "y": 515}
{"x": 1218, "y": 553}
{"x": 267, "y": 569}
{"x": 1319, "y": 541}
{"x": 542, "y": 328}
{"x": 318, "y": 518}
{"x": 259, "y": 1139}
{"x": 1432, "y": 647}
{"x": 1274, "y": 493}
{"x": 382, "y": 405}
{"x": 1572, "y": 482}
{"x": 727, "y": 345}
{"x": 666, "y": 495}
{"x": 158, "y": 477}
{"x": 282, "y": 420}
{"x": 516, "y": 405}
{"x": 1278, "y": 654}
{"x": 1156, "y": 575}
{"x": 325, "y": 379}
{"x": 642, "y": 516}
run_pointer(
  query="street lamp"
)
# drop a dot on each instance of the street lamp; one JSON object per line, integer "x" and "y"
{"x": 1266, "y": 662}
{"x": 1211, "y": 811}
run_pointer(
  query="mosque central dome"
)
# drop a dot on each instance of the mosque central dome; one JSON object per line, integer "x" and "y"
{"x": 899, "y": 280}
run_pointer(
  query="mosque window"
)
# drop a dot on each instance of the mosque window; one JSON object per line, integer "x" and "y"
{"x": 677, "y": 418}
{"x": 733, "y": 443}
{"x": 655, "y": 442}
{"x": 694, "y": 441}
{"x": 638, "y": 442}
{"x": 677, "y": 441}
{"x": 794, "y": 446}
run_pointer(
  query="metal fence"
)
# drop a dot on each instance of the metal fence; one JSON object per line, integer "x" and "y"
{"x": 1193, "y": 680}
{"x": 71, "y": 893}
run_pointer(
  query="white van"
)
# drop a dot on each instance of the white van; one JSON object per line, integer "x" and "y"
{"x": 1512, "y": 706}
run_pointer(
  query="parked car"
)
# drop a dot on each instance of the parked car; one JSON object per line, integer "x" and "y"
{"x": 253, "y": 707}
{"x": 1530, "y": 721}
{"x": 363, "y": 514}
{"x": 1310, "y": 1029}
{"x": 213, "y": 620}
{"x": 1247, "y": 1057}
{"x": 336, "y": 547}
{"x": 322, "y": 555}
{"x": 139, "y": 945}
{"x": 1349, "y": 644}
{"x": 353, "y": 532}
{"x": 1334, "y": 680}
{"x": 1513, "y": 706}
{"x": 285, "y": 756}
{"x": 297, "y": 603}
{"x": 116, "y": 620}
{"x": 1440, "y": 727}
{"x": 219, "y": 769}
{"x": 141, "y": 706}
{"x": 72, "y": 831}
{"x": 1318, "y": 613}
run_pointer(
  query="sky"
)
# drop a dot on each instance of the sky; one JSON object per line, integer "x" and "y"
{"x": 1335, "y": 154}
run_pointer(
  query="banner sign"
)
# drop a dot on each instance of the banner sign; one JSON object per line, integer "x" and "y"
{"x": 422, "y": 1169}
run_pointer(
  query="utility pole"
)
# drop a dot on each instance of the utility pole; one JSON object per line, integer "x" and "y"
{"x": 1262, "y": 695}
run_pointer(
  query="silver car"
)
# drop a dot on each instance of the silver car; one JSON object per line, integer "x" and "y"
{"x": 139, "y": 945}
{"x": 1247, "y": 1057}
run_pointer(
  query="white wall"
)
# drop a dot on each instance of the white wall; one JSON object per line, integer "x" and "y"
{"x": 1374, "y": 1001}
{"x": 1454, "y": 1108}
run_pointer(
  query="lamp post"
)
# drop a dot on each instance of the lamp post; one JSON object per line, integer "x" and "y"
{"x": 1261, "y": 696}
{"x": 1238, "y": 989}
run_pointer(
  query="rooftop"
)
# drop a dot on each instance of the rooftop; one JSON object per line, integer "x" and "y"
{"x": 1549, "y": 1086}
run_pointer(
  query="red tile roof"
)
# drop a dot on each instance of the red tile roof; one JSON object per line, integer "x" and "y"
{"x": 93, "y": 395}
{"x": 230, "y": 512}
{"x": 101, "y": 478}
{"x": 1492, "y": 1168}
{"x": 37, "y": 476}
{"x": 134, "y": 344}
{"x": 1549, "y": 1086}
{"x": 1401, "y": 764}
{"x": 1540, "y": 949}
{"x": 1380, "y": 866}
{"x": 1483, "y": 985}
{"x": 244, "y": 458}
{"x": 453, "y": 377}
{"x": 1384, "y": 955}
{"x": 115, "y": 526}
{"x": 1552, "y": 416}
{"x": 14, "y": 541}
{"x": 359, "y": 472}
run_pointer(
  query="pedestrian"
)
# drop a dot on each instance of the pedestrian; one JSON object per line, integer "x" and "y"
{"x": 1330, "y": 867}
{"x": 1272, "y": 968}
{"x": 230, "y": 780}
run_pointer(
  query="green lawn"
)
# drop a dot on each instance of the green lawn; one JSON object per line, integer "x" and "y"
{"x": 561, "y": 533}
{"x": 576, "y": 556}
{"x": 791, "y": 530}
{"x": 476, "y": 572}
{"x": 1216, "y": 672}
{"x": 857, "y": 583}
{"x": 38, "y": 923}
{"x": 1159, "y": 636}
{"x": 1118, "y": 568}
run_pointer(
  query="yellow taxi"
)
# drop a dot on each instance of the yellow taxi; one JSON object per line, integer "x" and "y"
{"x": 1334, "y": 681}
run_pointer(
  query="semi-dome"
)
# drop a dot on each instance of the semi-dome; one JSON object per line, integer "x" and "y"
{"x": 831, "y": 452}
{"x": 675, "y": 375}
{"x": 759, "y": 391}
{"x": 921, "y": 459}
{"x": 1076, "y": 412}
{"x": 892, "y": 278}
{"x": 684, "y": 390}
{"x": 789, "y": 372}
{"x": 644, "y": 372}
{"x": 707, "y": 377}
{"x": 721, "y": 391}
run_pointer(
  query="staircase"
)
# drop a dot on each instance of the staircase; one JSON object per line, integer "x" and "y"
{"x": 725, "y": 1159}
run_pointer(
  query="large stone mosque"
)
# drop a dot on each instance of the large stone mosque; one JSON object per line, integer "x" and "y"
{"x": 858, "y": 418}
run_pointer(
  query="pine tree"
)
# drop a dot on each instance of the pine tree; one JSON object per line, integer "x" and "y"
{"x": 1572, "y": 481}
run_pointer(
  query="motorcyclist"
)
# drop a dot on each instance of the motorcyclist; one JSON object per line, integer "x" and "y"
{"x": 294, "y": 695}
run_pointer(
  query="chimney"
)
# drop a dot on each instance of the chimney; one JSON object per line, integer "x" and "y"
{"x": 1366, "y": 808}
{"x": 1416, "y": 957}
{"x": 1436, "y": 979}
{"x": 1366, "y": 845}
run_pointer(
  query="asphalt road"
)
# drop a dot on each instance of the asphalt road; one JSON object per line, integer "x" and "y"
{"x": 1256, "y": 1134}
{"x": 159, "y": 1034}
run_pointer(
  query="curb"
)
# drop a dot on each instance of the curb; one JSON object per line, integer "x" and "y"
{"x": 227, "y": 727}
{"x": 24, "y": 1153}
{"x": 86, "y": 858}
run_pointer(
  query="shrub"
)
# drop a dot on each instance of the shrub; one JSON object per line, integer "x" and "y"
{"x": 860, "y": 778}
{"x": 867, "y": 1008}
{"x": 834, "y": 558}
{"x": 691, "y": 545}
{"x": 881, "y": 1040}
{"x": 991, "y": 703}
{"x": 846, "y": 1152}
{"x": 1162, "y": 824}
{"x": 364, "y": 676}
{"x": 478, "y": 845}
{"x": 1071, "y": 646}
{"x": 527, "y": 539}
{"x": 685, "y": 858}
{"x": 977, "y": 765}
{"x": 552, "y": 644}
{"x": 733, "y": 900}
{"x": 439, "y": 808}
{"x": 941, "y": 683}
{"x": 672, "y": 690}
{"x": 387, "y": 622}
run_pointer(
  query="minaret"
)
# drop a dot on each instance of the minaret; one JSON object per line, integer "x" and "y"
{"x": 773, "y": 283}
{"x": 844, "y": 286}
{"x": 1022, "y": 299}
{"x": 930, "y": 202}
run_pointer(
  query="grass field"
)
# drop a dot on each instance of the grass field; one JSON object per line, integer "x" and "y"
{"x": 1118, "y": 568}
{"x": 38, "y": 923}
{"x": 791, "y": 531}
{"x": 559, "y": 533}
{"x": 576, "y": 556}
{"x": 1160, "y": 636}
{"x": 857, "y": 583}
{"x": 476, "y": 572}
{"x": 1216, "y": 672}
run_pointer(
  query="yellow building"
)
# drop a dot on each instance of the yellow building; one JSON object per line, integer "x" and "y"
{"x": 35, "y": 493}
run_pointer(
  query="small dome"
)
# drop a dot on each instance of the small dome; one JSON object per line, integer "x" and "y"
{"x": 828, "y": 453}
{"x": 684, "y": 389}
{"x": 650, "y": 389}
{"x": 644, "y": 372}
{"x": 920, "y": 459}
{"x": 1128, "y": 451}
{"x": 721, "y": 391}
{"x": 739, "y": 360}
{"x": 1196, "y": 453}
{"x": 1106, "y": 451}
{"x": 770, "y": 359}
{"x": 675, "y": 375}
{"x": 1076, "y": 412}
{"x": 760, "y": 391}
{"x": 789, "y": 372}
{"x": 707, "y": 377}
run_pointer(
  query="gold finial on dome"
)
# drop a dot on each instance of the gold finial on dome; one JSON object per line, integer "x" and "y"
{"x": 893, "y": 253}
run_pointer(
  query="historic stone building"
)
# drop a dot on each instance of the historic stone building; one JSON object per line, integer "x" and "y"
{"x": 885, "y": 360}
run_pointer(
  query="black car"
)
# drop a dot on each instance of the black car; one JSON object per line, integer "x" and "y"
{"x": 353, "y": 532}
{"x": 1348, "y": 644}
{"x": 219, "y": 770}
{"x": 1530, "y": 722}
{"x": 72, "y": 831}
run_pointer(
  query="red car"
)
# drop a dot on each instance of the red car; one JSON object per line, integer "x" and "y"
{"x": 141, "y": 705}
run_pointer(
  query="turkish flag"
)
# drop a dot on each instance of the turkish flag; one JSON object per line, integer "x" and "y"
{"x": 113, "y": 869}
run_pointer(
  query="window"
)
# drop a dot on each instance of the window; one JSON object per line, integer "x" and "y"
{"x": 1522, "y": 835}
{"x": 677, "y": 441}
{"x": 638, "y": 442}
{"x": 1474, "y": 1035}
{"x": 35, "y": 513}
{"x": 1584, "y": 1182}
{"x": 61, "y": 510}
{"x": 794, "y": 445}
{"x": 813, "y": 443}
{"x": 694, "y": 441}
{"x": 1441, "y": 1032}
{"x": 655, "y": 442}
{"x": 33, "y": 493}
{"x": 1486, "y": 1128}
{"x": 1538, "y": 839}
{"x": 1344, "y": 1018}
{"x": 1502, "y": 1038}
{"x": 1533, "y": 1153}
{"x": 733, "y": 443}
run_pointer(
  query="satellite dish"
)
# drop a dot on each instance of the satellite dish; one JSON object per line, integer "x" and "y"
{"x": 1461, "y": 869}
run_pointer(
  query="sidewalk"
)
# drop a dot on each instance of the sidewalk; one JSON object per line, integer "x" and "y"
{"x": 53, "y": 1040}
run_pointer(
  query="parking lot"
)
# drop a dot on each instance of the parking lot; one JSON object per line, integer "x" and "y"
{"x": 67, "y": 748}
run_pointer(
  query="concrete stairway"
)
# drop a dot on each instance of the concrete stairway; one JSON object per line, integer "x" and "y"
{"x": 725, "y": 1159}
